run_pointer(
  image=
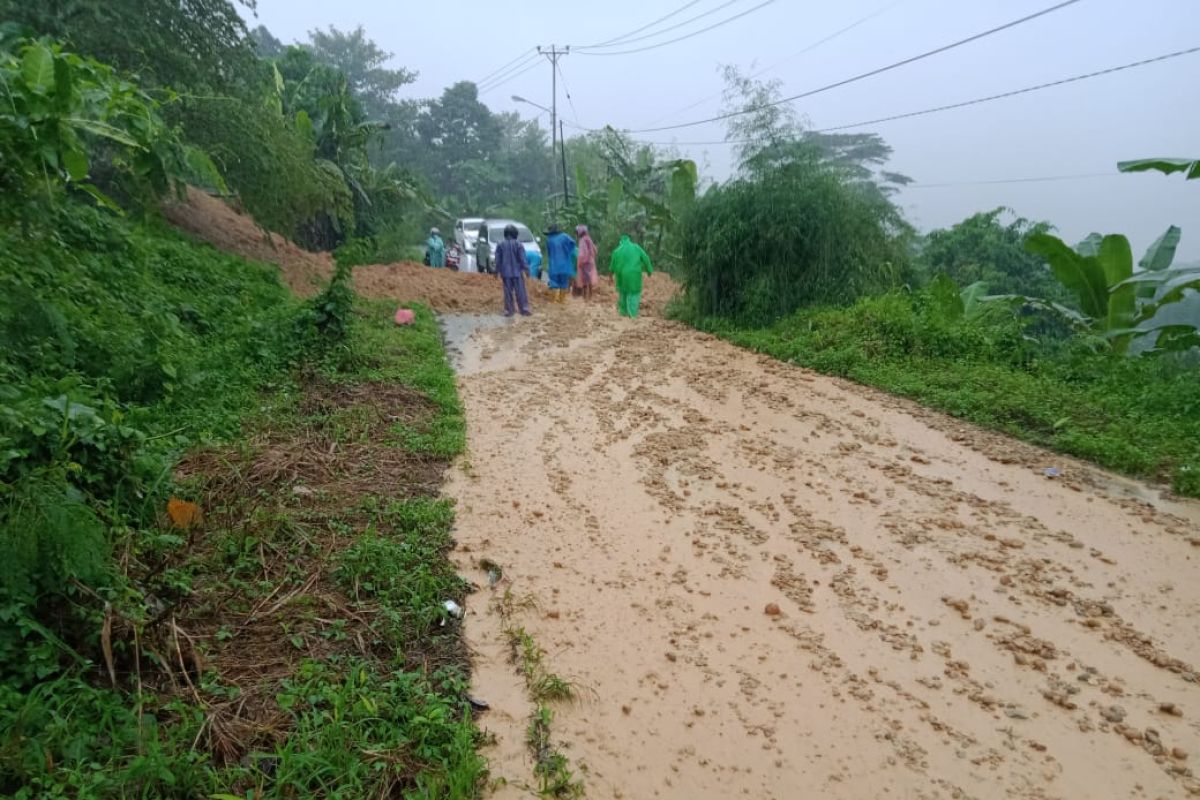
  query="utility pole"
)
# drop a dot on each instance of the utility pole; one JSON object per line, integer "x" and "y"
{"x": 562, "y": 143}
{"x": 554, "y": 54}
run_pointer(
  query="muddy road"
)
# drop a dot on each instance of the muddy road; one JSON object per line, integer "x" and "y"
{"x": 767, "y": 583}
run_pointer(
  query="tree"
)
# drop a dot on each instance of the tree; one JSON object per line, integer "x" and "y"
{"x": 770, "y": 134}
{"x": 457, "y": 129}
{"x": 266, "y": 45}
{"x": 185, "y": 44}
{"x": 363, "y": 63}
{"x": 981, "y": 248}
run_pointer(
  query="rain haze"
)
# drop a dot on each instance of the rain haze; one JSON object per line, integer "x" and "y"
{"x": 1067, "y": 139}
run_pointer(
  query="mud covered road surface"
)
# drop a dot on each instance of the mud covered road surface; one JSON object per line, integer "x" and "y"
{"x": 945, "y": 620}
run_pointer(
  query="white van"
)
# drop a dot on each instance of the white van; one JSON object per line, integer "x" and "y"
{"x": 495, "y": 235}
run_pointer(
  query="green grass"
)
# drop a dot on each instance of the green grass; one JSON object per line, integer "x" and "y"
{"x": 161, "y": 346}
{"x": 1139, "y": 416}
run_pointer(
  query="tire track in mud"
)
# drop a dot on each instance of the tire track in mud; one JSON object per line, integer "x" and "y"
{"x": 950, "y": 623}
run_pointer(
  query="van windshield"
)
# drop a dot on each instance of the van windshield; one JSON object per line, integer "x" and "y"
{"x": 496, "y": 234}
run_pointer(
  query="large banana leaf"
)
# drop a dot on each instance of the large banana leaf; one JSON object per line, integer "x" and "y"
{"x": 1166, "y": 166}
{"x": 1116, "y": 260}
{"x": 1162, "y": 252}
{"x": 1090, "y": 246}
{"x": 1081, "y": 275}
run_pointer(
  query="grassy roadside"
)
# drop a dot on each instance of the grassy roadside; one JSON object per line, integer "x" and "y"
{"x": 1136, "y": 416}
{"x": 290, "y": 641}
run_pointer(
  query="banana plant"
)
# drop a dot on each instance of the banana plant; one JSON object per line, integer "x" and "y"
{"x": 1118, "y": 304}
{"x": 1167, "y": 166}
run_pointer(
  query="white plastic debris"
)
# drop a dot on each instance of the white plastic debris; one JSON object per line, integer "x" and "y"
{"x": 453, "y": 609}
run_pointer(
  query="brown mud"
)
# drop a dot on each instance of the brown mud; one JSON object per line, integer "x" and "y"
{"x": 768, "y": 583}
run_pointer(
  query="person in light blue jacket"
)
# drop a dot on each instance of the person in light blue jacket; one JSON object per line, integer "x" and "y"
{"x": 435, "y": 249}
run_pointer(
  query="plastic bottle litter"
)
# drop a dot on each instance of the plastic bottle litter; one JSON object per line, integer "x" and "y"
{"x": 1052, "y": 472}
{"x": 453, "y": 609}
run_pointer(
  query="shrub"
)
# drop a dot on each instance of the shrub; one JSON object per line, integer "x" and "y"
{"x": 756, "y": 249}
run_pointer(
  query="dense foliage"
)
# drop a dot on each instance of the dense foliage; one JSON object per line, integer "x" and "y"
{"x": 60, "y": 111}
{"x": 123, "y": 346}
{"x": 759, "y": 247}
{"x": 984, "y": 249}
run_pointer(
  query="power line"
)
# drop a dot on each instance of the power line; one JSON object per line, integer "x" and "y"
{"x": 1016, "y": 92}
{"x": 623, "y": 37}
{"x": 537, "y": 62}
{"x": 506, "y": 66}
{"x": 508, "y": 73}
{"x": 1040, "y": 179}
{"x": 623, "y": 40}
{"x": 687, "y": 36}
{"x": 963, "y": 104}
{"x": 795, "y": 55}
{"x": 567, "y": 91}
{"x": 865, "y": 75}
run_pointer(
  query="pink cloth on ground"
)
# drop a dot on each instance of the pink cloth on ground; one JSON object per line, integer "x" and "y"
{"x": 404, "y": 316}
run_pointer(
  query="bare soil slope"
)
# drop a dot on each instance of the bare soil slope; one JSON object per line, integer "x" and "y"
{"x": 946, "y": 621}
{"x": 214, "y": 221}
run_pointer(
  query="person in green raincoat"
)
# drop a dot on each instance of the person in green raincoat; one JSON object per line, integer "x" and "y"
{"x": 629, "y": 263}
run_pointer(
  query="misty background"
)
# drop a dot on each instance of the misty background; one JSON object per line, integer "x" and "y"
{"x": 1080, "y": 129}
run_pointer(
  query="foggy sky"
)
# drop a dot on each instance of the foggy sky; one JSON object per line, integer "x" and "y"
{"x": 1081, "y": 128}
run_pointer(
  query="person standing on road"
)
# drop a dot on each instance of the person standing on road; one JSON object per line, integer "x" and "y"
{"x": 435, "y": 249}
{"x": 587, "y": 274}
{"x": 560, "y": 252}
{"x": 512, "y": 267}
{"x": 482, "y": 262}
{"x": 629, "y": 263}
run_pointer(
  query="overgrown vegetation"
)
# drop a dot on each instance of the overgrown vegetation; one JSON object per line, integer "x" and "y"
{"x": 757, "y": 248}
{"x": 182, "y": 617}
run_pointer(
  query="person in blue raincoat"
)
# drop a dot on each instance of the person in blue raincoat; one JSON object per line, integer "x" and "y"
{"x": 560, "y": 252}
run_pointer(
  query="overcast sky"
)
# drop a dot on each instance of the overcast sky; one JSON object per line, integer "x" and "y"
{"x": 1078, "y": 129}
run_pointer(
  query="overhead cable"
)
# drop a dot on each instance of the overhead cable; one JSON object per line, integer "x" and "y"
{"x": 656, "y": 45}
{"x": 511, "y": 71}
{"x": 536, "y": 63}
{"x": 626, "y": 40}
{"x": 567, "y": 91}
{"x": 864, "y": 75}
{"x": 797, "y": 54}
{"x": 625, "y": 36}
{"x": 1040, "y": 179}
{"x": 506, "y": 66}
{"x": 1016, "y": 92}
{"x": 963, "y": 104}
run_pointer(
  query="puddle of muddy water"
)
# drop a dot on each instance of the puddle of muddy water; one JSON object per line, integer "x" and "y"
{"x": 457, "y": 330}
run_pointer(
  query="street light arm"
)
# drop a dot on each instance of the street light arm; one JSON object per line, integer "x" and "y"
{"x": 519, "y": 99}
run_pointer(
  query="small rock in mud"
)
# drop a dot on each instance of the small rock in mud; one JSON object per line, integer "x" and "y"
{"x": 672, "y": 657}
{"x": 553, "y": 614}
{"x": 772, "y": 610}
{"x": 1179, "y": 753}
{"x": 1170, "y": 708}
{"x": 1113, "y": 714}
{"x": 626, "y": 710}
